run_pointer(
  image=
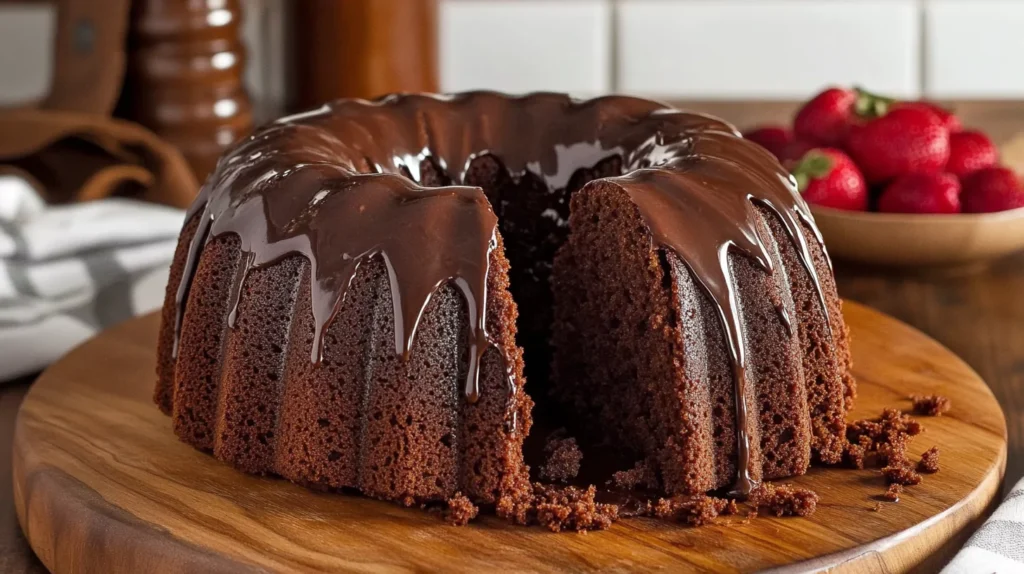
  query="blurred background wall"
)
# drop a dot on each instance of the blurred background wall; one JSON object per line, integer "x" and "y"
{"x": 187, "y": 60}
{"x": 673, "y": 49}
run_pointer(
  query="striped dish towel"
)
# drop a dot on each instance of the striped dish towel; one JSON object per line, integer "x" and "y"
{"x": 68, "y": 271}
{"x": 998, "y": 546}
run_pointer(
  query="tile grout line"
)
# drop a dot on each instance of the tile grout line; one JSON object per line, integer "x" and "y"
{"x": 613, "y": 48}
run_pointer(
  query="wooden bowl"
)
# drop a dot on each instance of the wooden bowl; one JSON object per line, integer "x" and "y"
{"x": 920, "y": 241}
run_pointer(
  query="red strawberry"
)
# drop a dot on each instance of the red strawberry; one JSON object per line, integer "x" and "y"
{"x": 825, "y": 119}
{"x": 992, "y": 189}
{"x": 903, "y": 141}
{"x": 794, "y": 151}
{"x": 828, "y": 177}
{"x": 780, "y": 141}
{"x": 949, "y": 119}
{"x": 970, "y": 151}
{"x": 922, "y": 193}
{"x": 772, "y": 138}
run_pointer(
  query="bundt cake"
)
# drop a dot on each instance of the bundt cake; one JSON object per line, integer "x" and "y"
{"x": 358, "y": 289}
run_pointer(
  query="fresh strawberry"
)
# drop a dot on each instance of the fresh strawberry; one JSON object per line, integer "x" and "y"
{"x": 900, "y": 142}
{"x": 825, "y": 119}
{"x": 828, "y": 177}
{"x": 922, "y": 193}
{"x": 949, "y": 119}
{"x": 992, "y": 189}
{"x": 772, "y": 138}
{"x": 793, "y": 152}
{"x": 780, "y": 141}
{"x": 970, "y": 151}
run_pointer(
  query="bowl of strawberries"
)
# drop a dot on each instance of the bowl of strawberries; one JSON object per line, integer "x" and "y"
{"x": 899, "y": 183}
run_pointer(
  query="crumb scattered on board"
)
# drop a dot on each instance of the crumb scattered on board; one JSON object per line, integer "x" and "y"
{"x": 558, "y": 508}
{"x": 931, "y": 405}
{"x": 884, "y": 440}
{"x": 894, "y": 492}
{"x": 696, "y": 510}
{"x": 784, "y": 500}
{"x": 460, "y": 510}
{"x": 929, "y": 461}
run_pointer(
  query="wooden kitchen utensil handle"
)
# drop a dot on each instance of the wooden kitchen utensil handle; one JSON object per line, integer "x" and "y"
{"x": 363, "y": 49}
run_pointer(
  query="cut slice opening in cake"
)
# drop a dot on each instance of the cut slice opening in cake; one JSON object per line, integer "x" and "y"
{"x": 625, "y": 349}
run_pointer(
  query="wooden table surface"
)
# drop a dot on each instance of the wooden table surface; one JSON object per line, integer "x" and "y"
{"x": 980, "y": 317}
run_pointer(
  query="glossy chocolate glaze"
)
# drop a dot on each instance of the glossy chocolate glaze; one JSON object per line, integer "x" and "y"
{"x": 339, "y": 185}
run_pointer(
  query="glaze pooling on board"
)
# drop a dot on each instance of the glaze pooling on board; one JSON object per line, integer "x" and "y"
{"x": 339, "y": 185}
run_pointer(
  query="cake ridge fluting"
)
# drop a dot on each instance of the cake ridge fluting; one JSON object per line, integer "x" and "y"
{"x": 355, "y": 195}
{"x": 340, "y": 186}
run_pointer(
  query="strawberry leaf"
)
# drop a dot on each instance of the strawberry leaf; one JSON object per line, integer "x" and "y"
{"x": 813, "y": 165}
{"x": 869, "y": 105}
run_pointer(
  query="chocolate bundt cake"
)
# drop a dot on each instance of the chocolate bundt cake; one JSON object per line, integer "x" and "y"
{"x": 358, "y": 290}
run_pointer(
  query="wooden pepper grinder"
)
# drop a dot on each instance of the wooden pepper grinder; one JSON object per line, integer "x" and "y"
{"x": 184, "y": 81}
{"x": 362, "y": 48}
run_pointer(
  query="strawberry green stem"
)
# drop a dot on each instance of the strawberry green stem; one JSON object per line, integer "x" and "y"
{"x": 812, "y": 166}
{"x": 869, "y": 105}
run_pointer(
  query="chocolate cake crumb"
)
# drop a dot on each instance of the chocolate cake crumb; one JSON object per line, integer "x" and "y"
{"x": 892, "y": 422}
{"x": 460, "y": 510}
{"x": 695, "y": 510}
{"x": 640, "y": 475}
{"x": 929, "y": 461}
{"x": 731, "y": 508}
{"x": 854, "y": 455}
{"x": 893, "y": 451}
{"x": 888, "y": 436}
{"x": 931, "y": 405}
{"x": 563, "y": 462}
{"x": 862, "y": 428}
{"x": 876, "y": 508}
{"x": 558, "y": 508}
{"x": 894, "y": 492}
{"x": 901, "y": 474}
{"x": 784, "y": 500}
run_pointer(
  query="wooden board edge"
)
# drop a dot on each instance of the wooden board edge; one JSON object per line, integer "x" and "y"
{"x": 925, "y": 547}
{"x": 72, "y": 528}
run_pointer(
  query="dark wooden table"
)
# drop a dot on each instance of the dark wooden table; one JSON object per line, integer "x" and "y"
{"x": 15, "y": 554}
{"x": 980, "y": 317}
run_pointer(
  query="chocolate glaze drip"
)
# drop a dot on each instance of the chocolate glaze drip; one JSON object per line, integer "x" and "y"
{"x": 338, "y": 185}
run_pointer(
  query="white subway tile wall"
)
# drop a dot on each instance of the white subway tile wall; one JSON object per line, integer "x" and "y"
{"x": 264, "y": 32}
{"x": 525, "y": 45}
{"x": 774, "y": 49}
{"x": 974, "y": 49}
{"x": 729, "y": 49}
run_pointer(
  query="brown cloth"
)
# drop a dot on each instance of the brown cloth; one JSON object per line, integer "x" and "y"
{"x": 70, "y": 156}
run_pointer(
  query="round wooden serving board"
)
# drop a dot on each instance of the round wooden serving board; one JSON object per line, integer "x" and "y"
{"x": 102, "y": 485}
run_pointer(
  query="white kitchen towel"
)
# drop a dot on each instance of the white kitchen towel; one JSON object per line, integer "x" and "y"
{"x": 998, "y": 546}
{"x": 68, "y": 271}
